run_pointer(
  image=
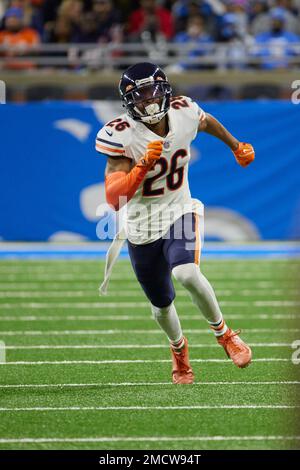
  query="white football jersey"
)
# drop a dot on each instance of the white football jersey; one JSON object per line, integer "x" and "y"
{"x": 164, "y": 194}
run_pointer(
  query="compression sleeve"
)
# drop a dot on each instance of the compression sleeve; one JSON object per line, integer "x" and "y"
{"x": 120, "y": 184}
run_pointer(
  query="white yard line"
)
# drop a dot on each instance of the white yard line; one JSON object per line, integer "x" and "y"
{"x": 143, "y": 384}
{"x": 238, "y": 267}
{"x": 131, "y": 331}
{"x": 133, "y": 286}
{"x": 134, "y": 346}
{"x": 137, "y": 305}
{"x": 213, "y": 275}
{"x": 87, "y": 318}
{"x": 95, "y": 268}
{"x": 132, "y": 361}
{"x": 32, "y": 440}
{"x": 146, "y": 408}
{"x": 9, "y": 294}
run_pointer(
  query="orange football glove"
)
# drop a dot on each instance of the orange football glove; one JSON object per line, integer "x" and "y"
{"x": 153, "y": 153}
{"x": 244, "y": 154}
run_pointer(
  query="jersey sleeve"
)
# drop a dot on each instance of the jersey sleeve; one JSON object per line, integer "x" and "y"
{"x": 199, "y": 112}
{"x": 110, "y": 142}
{"x": 192, "y": 114}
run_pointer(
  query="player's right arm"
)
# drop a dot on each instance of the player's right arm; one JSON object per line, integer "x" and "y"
{"x": 243, "y": 152}
{"x": 122, "y": 181}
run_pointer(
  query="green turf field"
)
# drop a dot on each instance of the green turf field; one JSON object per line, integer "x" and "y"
{"x": 85, "y": 372}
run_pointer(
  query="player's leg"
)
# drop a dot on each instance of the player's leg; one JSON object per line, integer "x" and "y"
{"x": 154, "y": 275}
{"x": 168, "y": 320}
{"x": 204, "y": 298}
{"x": 184, "y": 256}
{"x": 202, "y": 295}
{"x": 183, "y": 252}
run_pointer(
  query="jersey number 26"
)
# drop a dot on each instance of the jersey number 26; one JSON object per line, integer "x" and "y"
{"x": 174, "y": 179}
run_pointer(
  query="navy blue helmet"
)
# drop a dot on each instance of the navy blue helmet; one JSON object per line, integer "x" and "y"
{"x": 145, "y": 92}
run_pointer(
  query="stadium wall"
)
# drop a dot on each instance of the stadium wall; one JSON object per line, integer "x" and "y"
{"x": 51, "y": 178}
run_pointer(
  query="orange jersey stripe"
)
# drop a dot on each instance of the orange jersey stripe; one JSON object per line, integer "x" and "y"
{"x": 197, "y": 247}
{"x": 102, "y": 147}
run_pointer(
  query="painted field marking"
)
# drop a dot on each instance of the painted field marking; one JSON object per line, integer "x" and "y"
{"x": 133, "y": 286}
{"x": 132, "y": 361}
{"x": 131, "y": 331}
{"x": 133, "y": 346}
{"x": 88, "y": 318}
{"x": 147, "y": 408}
{"x": 136, "y": 305}
{"x": 7, "y": 294}
{"x": 31, "y": 440}
{"x": 82, "y": 276}
{"x": 143, "y": 384}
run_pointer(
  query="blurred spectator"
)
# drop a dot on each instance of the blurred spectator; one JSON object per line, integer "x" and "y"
{"x": 15, "y": 32}
{"x": 50, "y": 8}
{"x": 71, "y": 12}
{"x": 292, "y": 14}
{"x": 290, "y": 5}
{"x": 199, "y": 23}
{"x": 208, "y": 9}
{"x": 256, "y": 9}
{"x": 88, "y": 31}
{"x": 32, "y": 12}
{"x": 151, "y": 18}
{"x": 278, "y": 41}
{"x": 2, "y": 10}
{"x": 238, "y": 9}
{"x": 18, "y": 37}
{"x": 108, "y": 21}
{"x": 228, "y": 27}
{"x": 184, "y": 9}
{"x": 197, "y": 37}
{"x": 61, "y": 32}
{"x": 260, "y": 20}
{"x": 235, "y": 51}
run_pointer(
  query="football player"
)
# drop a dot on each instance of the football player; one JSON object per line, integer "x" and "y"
{"x": 148, "y": 152}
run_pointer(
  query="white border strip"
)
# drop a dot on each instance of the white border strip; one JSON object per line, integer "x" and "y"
{"x": 133, "y": 361}
{"x": 30, "y": 440}
{"x": 148, "y": 408}
{"x": 142, "y": 384}
{"x": 90, "y": 293}
{"x": 134, "y": 346}
{"x": 144, "y": 318}
{"x": 133, "y": 332}
{"x": 135, "y": 305}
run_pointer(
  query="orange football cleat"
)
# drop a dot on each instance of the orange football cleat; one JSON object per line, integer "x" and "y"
{"x": 182, "y": 372}
{"x": 235, "y": 348}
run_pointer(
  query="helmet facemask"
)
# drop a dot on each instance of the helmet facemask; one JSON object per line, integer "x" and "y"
{"x": 149, "y": 100}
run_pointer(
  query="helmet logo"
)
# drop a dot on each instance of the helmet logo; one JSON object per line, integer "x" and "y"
{"x": 144, "y": 81}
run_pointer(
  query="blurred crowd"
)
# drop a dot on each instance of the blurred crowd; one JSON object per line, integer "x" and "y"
{"x": 274, "y": 25}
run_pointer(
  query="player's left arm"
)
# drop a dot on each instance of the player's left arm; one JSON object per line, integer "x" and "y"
{"x": 243, "y": 152}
